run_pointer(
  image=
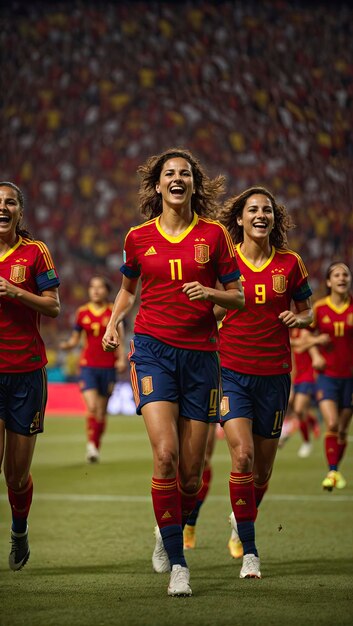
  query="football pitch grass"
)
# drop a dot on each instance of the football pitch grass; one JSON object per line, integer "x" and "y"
{"x": 91, "y": 539}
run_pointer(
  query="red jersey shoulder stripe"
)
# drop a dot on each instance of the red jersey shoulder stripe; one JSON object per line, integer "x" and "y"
{"x": 228, "y": 238}
{"x": 302, "y": 267}
{"x": 44, "y": 250}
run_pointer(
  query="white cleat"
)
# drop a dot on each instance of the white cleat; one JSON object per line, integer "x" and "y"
{"x": 305, "y": 450}
{"x": 20, "y": 552}
{"x": 250, "y": 567}
{"x": 160, "y": 559}
{"x": 92, "y": 453}
{"x": 179, "y": 582}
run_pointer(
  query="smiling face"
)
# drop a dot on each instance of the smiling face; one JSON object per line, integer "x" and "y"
{"x": 10, "y": 212}
{"x": 257, "y": 217}
{"x": 176, "y": 182}
{"x": 340, "y": 279}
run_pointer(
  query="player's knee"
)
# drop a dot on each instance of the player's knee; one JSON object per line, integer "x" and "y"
{"x": 15, "y": 483}
{"x": 166, "y": 462}
{"x": 262, "y": 474}
{"x": 244, "y": 459}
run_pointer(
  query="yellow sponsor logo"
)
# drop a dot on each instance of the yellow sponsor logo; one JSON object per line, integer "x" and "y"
{"x": 166, "y": 515}
{"x": 240, "y": 502}
{"x": 150, "y": 251}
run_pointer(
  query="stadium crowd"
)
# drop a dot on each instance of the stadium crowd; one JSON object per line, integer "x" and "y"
{"x": 260, "y": 91}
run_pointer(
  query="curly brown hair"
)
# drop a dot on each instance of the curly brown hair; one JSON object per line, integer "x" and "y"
{"x": 204, "y": 200}
{"x": 20, "y": 228}
{"x": 233, "y": 208}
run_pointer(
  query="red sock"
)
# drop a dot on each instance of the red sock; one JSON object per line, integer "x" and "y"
{"x": 166, "y": 501}
{"x": 92, "y": 429}
{"x": 331, "y": 449}
{"x": 20, "y": 501}
{"x": 206, "y": 481}
{"x": 260, "y": 491}
{"x": 188, "y": 503}
{"x": 100, "y": 428}
{"x": 341, "y": 446}
{"x": 313, "y": 424}
{"x": 242, "y": 496}
{"x": 303, "y": 425}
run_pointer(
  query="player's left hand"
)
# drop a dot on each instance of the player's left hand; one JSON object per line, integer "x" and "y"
{"x": 289, "y": 319}
{"x": 7, "y": 288}
{"x": 195, "y": 291}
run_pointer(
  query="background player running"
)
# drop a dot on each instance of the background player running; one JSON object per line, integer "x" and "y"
{"x": 98, "y": 369}
{"x": 333, "y": 315}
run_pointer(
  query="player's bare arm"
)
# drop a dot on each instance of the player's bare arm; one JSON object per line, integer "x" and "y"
{"x": 301, "y": 318}
{"x": 121, "y": 360}
{"x": 231, "y": 297}
{"x": 47, "y": 303}
{"x": 307, "y": 341}
{"x": 123, "y": 304}
{"x": 72, "y": 342}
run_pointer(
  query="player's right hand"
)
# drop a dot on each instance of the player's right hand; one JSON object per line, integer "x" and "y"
{"x": 110, "y": 342}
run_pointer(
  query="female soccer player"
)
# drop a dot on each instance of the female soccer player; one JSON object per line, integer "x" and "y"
{"x": 28, "y": 289}
{"x": 179, "y": 253}
{"x": 255, "y": 353}
{"x": 306, "y": 360}
{"x": 97, "y": 368}
{"x": 333, "y": 315}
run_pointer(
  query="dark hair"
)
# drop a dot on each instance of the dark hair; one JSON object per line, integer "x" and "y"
{"x": 20, "y": 228}
{"x": 204, "y": 200}
{"x": 233, "y": 208}
{"x": 106, "y": 282}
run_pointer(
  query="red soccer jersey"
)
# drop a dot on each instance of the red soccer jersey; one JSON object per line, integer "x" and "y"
{"x": 93, "y": 320}
{"x": 338, "y": 323}
{"x": 203, "y": 252}
{"x": 29, "y": 265}
{"x": 254, "y": 340}
{"x": 303, "y": 366}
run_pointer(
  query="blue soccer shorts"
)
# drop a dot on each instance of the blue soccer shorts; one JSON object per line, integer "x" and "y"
{"x": 340, "y": 390}
{"x": 160, "y": 372}
{"x": 306, "y": 388}
{"x": 101, "y": 378}
{"x": 23, "y": 398}
{"x": 262, "y": 399}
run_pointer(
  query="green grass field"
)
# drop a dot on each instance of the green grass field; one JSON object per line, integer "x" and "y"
{"x": 91, "y": 537}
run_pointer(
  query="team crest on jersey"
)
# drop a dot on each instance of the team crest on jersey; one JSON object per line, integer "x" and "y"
{"x": 146, "y": 385}
{"x": 224, "y": 405}
{"x": 202, "y": 253}
{"x": 279, "y": 283}
{"x": 18, "y": 273}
